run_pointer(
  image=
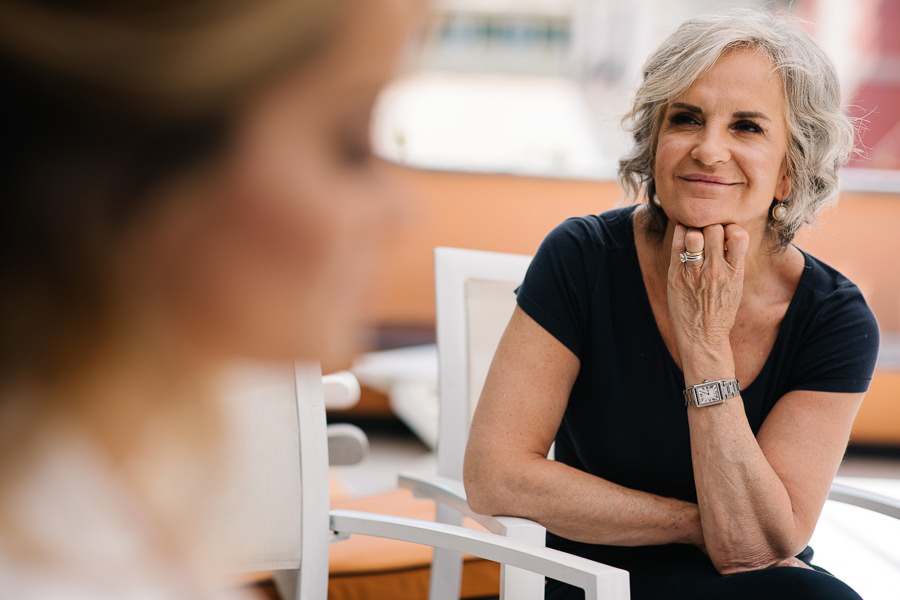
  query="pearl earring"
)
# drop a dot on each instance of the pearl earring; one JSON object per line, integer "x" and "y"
{"x": 656, "y": 200}
{"x": 779, "y": 211}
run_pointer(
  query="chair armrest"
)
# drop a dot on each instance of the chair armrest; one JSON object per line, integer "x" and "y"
{"x": 863, "y": 499}
{"x": 450, "y": 492}
{"x": 596, "y": 579}
{"x": 341, "y": 390}
{"x": 347, "y": 445}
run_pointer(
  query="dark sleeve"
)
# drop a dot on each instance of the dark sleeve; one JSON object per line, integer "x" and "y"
{"x": 555, "y": 292}
{"x": 842, "y": 346}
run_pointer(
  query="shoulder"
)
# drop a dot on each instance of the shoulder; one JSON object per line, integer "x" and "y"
{"x": 579, "y": 246}
{"x": 825, "y": 291}
{"x": 837, "y": 332}
{"x": 559, "y": 285}
{"x": 612, "y": 228}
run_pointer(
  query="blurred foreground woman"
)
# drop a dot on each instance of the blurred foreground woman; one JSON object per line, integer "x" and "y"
{"x": 182, "y": 184}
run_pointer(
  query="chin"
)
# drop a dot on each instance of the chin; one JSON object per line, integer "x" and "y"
{"x": 698, "y": 219}
{"x": 697, "y": 223}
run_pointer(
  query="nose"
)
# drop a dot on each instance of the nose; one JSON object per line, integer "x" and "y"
{"x": 711, "y": 147}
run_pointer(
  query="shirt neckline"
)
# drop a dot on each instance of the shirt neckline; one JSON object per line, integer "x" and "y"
{"x": 661, "y": 343}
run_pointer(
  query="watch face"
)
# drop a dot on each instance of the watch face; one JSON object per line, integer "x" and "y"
{"x": 708, "y": 394}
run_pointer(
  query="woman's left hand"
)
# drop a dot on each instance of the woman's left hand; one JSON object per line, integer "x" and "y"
{"x": 704, "y": 295}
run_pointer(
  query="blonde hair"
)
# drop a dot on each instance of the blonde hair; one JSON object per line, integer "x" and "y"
{"x": 104, "y": 105}
{"x": 820, "y": 136}
{"x": 162, "y": 58}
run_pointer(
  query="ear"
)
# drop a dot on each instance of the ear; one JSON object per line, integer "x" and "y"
{"x": 783, "y": 187}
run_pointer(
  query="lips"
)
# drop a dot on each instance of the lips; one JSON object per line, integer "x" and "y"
{"x": 707, "y": 179}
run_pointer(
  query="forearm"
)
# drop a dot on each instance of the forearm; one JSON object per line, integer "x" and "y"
{"x": 746, "y": 512}
{"x": 579, "y": 506}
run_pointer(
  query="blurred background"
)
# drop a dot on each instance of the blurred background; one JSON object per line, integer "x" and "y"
{"x": 538, "y": 86}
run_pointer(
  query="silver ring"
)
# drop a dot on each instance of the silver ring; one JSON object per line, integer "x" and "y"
{"x": 690, "y": 256}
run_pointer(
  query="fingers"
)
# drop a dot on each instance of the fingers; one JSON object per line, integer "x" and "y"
{"x": 728, "y": 242}
{"x": 688, "y": 247}
{"x": 694, "y": 240}
{"x": 714, "y": 241}
{"x": 736, "y": 243}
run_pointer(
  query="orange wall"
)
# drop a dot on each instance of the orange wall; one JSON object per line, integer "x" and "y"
{"x": 509, "y": 213}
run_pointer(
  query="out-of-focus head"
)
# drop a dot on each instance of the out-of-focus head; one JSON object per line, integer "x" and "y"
{"x": 819, "y": 136}
{"x": 200, "y": 169}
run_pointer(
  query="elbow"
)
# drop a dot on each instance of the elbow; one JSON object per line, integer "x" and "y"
{"x": 745, "y": 558}
{"x": 479, "y": 501}
{"x": 733, "y": 565}
{"x": 480, "y": 494}
{"x": 736, "y": 550}
{"x": 489, "y": 483}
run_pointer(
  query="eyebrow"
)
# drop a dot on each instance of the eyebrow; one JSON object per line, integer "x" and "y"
{"x": 744, "y": 114}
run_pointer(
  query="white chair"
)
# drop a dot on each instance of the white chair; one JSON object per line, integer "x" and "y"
{"x": 475, "y": 297}
{"x": 474, "y": 300}
{"x": 856, "y": 536}
{"x": 276, "y": 507}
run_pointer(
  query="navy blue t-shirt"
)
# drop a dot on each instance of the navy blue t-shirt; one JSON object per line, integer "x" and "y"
{"x": 626, "y": 420}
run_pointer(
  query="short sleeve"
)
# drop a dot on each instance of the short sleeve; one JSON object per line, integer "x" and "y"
{"x": 556, "y": 289}
{"x": 841, "y": 346}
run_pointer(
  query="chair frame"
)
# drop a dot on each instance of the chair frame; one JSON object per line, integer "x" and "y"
{"x": 846, "y": 494}
{"x": 320, "y": 526}
{"x": 453, "y": 268}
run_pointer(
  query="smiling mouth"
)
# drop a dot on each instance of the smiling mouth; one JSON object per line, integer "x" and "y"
{"x": 707, "y": 180}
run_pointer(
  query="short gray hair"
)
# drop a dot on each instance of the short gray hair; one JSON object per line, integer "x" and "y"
{"x": 820, "y": 137}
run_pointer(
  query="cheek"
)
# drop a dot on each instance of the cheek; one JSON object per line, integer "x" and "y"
{"x": 669, "y": 151}
{"x": 764, "y": 166}
{"x": 266, "y": 274}
{"x": 291, "y": 240}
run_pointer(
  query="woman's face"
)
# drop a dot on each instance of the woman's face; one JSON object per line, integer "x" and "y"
{"x": 720, "y": 157}
{"x": 277, "y": 262}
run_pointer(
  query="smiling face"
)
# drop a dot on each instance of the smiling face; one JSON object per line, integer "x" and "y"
{"x": 721, "y": 152}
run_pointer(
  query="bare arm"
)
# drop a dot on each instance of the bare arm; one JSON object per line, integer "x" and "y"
{"x": 759, "y": 497}
{"x": 506, "y": 467}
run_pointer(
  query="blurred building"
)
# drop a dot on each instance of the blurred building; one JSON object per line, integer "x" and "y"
{"x": 539, "y": 86}
{"x": 491, "y": 90}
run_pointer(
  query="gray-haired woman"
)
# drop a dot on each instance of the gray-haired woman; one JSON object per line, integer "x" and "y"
{"x": 698, "y": 373}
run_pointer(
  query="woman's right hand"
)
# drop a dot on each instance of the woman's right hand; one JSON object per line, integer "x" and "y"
{"x": 704, "y": 296}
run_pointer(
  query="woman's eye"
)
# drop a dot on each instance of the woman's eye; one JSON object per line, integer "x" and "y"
{"x": 683, "y": 119}
{"x": 748, "y": 127}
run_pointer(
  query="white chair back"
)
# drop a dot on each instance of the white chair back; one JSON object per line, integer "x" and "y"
{"x": 275, "y": 504}
{"x": 474, "y": 301}
{"x": 489, "y": 305}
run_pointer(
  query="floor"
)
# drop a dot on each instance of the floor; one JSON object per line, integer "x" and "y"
{"x": 856, "y": 545}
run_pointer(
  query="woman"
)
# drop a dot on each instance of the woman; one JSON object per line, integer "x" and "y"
{"x": 698, "y": 373}
{"x": 183, "y": 184}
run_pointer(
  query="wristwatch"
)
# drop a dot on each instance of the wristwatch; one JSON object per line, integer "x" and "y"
{"x": 711, "y": 392}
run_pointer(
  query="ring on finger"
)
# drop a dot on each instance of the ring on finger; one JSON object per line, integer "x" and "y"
{"x": 688, "y": 256}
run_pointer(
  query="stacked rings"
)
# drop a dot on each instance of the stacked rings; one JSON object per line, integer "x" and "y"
{"x": 690, "y": 256}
